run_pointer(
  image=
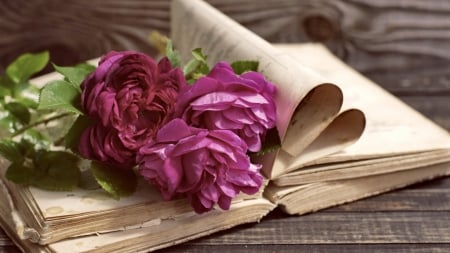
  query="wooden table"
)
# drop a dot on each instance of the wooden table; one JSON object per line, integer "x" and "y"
{"x": 416, "y": 219}
{"x": 402, "y": 45}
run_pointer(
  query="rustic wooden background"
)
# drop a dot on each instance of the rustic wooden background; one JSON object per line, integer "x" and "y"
{"x": 403, "y": 45}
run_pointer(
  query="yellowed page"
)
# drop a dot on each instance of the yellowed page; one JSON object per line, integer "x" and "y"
{"x": 334, "y": 138}
{"x": 169, "y": 232}
{"x": 195, "y": 24}
{"x": 145, "y": 238}
{"x": 313, "y": 197}
{"x": 362, "y": 168}
{"x": 299, "y": 121}
{"x": 392, "y": 127}
{"x": 47, "y": 217}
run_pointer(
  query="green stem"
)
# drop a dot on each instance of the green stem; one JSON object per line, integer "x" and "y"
{"x": 39, "y": 122}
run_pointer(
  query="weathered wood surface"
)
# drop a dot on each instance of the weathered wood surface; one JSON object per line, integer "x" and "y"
{"x": 416, "y": 219}
{"x": 403, "y": 45}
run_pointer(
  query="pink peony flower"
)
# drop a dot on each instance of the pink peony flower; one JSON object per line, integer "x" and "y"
{"x": 131, "y": 96}
{"x": 224, "y": 100}
{"x": 206, "y": 166}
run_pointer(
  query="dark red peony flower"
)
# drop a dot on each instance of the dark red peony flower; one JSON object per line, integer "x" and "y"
{"x": 129, "y": 97}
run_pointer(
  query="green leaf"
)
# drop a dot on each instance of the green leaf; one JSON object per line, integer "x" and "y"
{"x": 60, "y": 95}
{"x": 5, "y": 86}
{"x": 27, "y": 148}
{"x": 198, "y": 55}
{"x": 9, "y": 123}
{"x": 116, "y": 181}
{"x": 26, "y": 65}
{"x": 87, "y": 67}
{"x": 19, "y": 111}
{"x": 190, "y": 67}
{"x": 76, "y": 74}
{"x": 197, "y": 67}
{"x": 4, "y": 92}
{"x": 11, "y": 151}
{"x": 73, "y": 135}
{"x": 19, "y": 173}
{"x": 87, "y": 180}
{"x": 5, "y": 81}
{"x": 271, "y": 143}
{"x": 172, "y": 55}
{"x": 240, "y": 67}
{"x": 35, "y": 138}
{"x": 56, "y": 171}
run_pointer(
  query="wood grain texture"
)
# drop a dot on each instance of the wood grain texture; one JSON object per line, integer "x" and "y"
{"x": 376, "y": 224}
{"x": 379, "y": 248}
{"x": 9, "y": 249}
{"x": 436, "y": 107}
{"x": 403, "y": 45}
{"x": 409, "y": 200}
{"x": 338, "y": 228}
{"x": 78, "y": 30}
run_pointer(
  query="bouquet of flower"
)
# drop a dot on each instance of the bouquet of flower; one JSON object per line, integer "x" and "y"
{"x": 188, "y": 131}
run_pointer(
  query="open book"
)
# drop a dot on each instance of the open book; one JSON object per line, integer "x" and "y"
{"x": 343, "y": 138}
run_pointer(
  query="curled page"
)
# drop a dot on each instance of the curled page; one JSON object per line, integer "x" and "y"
{"x": 306, "y": 103}
{"x": 392, "y": 127}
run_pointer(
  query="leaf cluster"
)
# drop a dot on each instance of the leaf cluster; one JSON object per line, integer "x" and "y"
{"x": 41, "y": 155}
{"x": 40, "y": 129}
{"x": 198, "y": 66}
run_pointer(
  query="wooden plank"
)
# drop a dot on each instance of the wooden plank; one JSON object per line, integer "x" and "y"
{"x": 437, "y": 108}
{"x": 431, "y": 80}
{"x": 312, "y": 248}
{"x": 4, "y": 240}
{"x": 9, "y": 249}
{"x": 403, "y": 45}
{"x": 404, "y": 200}
{"x": 405, "y": 40}
{"x": 341, "y": 228}
{"x": 75, "y": 30}
{"x": 438, "y": 184}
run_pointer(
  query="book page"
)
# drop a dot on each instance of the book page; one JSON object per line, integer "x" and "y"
{"x": 58, "y": 205}
{"x": 50, "y": 216}
{"x": 334, "y": 138}
{"x": 392, "y": 127}
{"x": 362, "y": 168}
{"x": 169, "y": 232}
{"x": 146, "y": 238}
{"x": 306, "y": 103}
{"x": 313, "y": 197}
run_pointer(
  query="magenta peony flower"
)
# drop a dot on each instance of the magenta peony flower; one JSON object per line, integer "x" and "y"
{"x": 224, "y": 100}
{"x": 206, "y": 166}
{"x": 130, "y": 96}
